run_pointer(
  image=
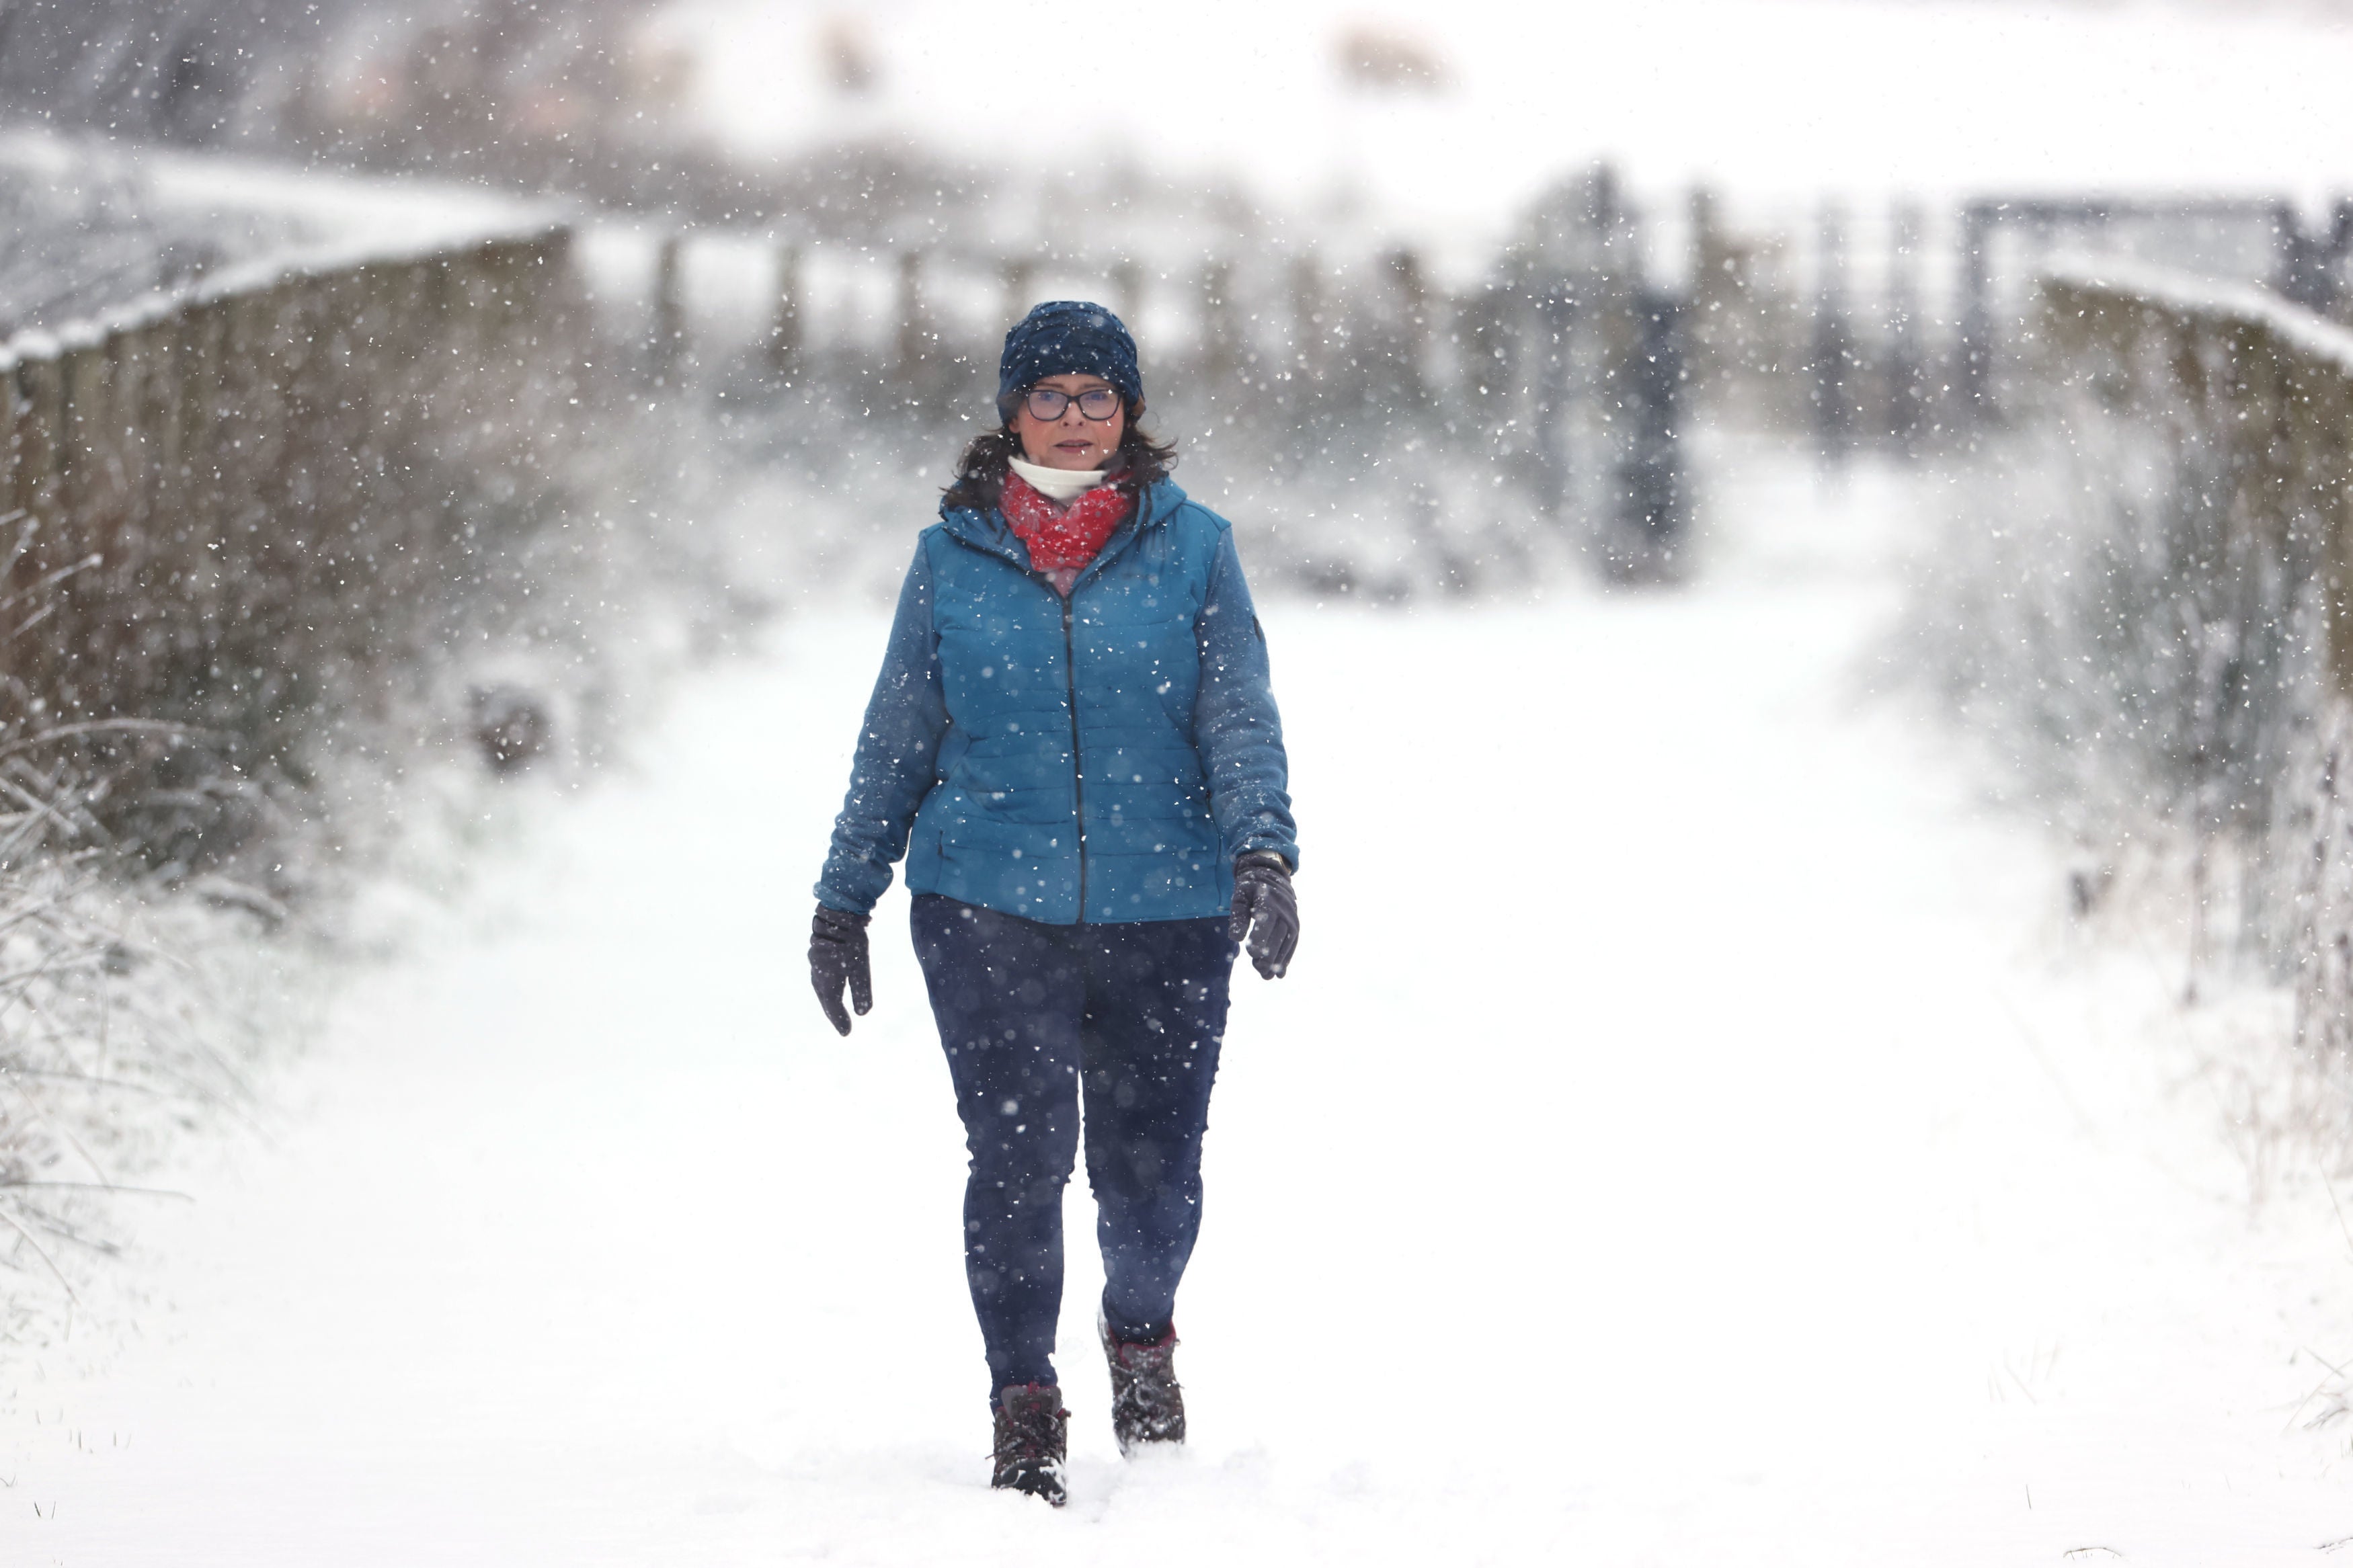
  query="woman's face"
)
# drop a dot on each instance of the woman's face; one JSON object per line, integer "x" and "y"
{"x": 1073, "y": 441}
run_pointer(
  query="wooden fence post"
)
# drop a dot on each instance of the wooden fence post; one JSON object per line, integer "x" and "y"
{"x": 40, "y": 391}
{"x": 1653, "y": 508}
{"x": 10, "y": 437}
{"x": 39, "y": 399}
{"x": 86, "y": 512}
{"x": 131, "y": 438}
{"x": 1016, "y": 273}
{"x": 1412, "y": 384}
{"x": 87, "y": 395}
{"x": 120, "y": 529}
{"x": 1308, "y": 327}
{"x": 1127, "y": 292}
{"x": 1556, "y": 333}
{"x": 667, "y": 352}
{"x": 1833, "y": 353}
{"x": 1714, "y": 329}
{"x": 1220, "y": 354}
{"x": 1973, "y": 373}
{"x": 12, "y": 525}
{"x": 203, "y": 462}
{"x": 1905, "y": 389}
{"x": 165, "y": 420}
{"x": 913, "y": 329}
{"x": 2336, "y": 544}
{"x": 1486, "y": 362}
{"x": 784, "y": 328}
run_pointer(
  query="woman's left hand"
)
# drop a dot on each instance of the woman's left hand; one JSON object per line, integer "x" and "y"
{"x": 837, "y": 956}
{"x": 1265, "y": 910}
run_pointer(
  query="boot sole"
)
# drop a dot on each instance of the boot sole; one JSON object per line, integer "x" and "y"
{"x": 1051, "y": 1488}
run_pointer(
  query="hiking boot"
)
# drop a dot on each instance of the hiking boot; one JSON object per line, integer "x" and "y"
{"x": 1033, "y": 1438}
{"x": 1148, "y": 1406}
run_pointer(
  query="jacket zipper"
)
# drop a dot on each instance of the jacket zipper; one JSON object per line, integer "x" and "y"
{"x": 1071, "y": 684}
{"x": 1078, "y": 774}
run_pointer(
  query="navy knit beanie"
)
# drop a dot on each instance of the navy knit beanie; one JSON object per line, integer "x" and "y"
{"x": 1066, "y": 337}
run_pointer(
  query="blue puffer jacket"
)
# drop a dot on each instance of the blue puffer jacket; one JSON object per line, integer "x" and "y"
{"x": 1102, "y": 758}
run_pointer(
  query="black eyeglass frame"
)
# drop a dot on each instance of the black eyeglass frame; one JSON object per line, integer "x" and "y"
{"x": 1061, "y": 401}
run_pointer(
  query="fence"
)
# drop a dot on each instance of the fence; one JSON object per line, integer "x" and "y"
{"x": 1896, "y": 329}
{"x": 1904, "y": 330}
{"x": 1564, "y": 371}
{"x": 228, "y": 500}
{"x": 2250, "y": 401}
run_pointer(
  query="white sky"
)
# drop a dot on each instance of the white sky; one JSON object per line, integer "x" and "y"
{"x": 1765, "y": 98}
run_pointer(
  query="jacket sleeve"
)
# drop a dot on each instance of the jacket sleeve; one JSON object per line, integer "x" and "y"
{"x": 897, "y": 750}
{"x": 1235, "y": 725}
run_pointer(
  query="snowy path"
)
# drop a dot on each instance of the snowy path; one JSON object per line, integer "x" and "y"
{"x": 1715, "y": 1162}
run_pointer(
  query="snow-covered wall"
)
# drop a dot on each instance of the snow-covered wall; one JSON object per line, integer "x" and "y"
{"x": 244, "y": 506}
{"x": 2083, "y": 288}
{"x": 2142, "y": 602}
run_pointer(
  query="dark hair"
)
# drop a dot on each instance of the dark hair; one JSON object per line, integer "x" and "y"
{"x": 981, "y": 468}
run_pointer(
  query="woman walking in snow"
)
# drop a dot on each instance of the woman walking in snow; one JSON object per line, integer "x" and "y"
{"x": 1074, "y": 744}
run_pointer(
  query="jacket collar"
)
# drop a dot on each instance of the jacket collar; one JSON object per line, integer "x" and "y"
{"x": 988, "y": 530}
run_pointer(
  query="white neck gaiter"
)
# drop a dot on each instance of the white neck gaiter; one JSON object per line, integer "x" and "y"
{"x": 1060, "y": 486}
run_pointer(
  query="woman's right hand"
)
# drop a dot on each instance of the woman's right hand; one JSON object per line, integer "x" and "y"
{"x": 837, "y": 954}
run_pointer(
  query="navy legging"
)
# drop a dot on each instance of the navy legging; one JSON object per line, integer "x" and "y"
{"x": 1037, "y": 1019}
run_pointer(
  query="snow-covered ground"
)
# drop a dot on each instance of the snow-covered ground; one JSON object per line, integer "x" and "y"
{"x": 1690, "y": 1134}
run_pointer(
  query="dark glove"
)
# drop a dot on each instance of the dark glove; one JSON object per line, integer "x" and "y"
{"x": 1265, "y": 910}
{"x": 838, "y": 952}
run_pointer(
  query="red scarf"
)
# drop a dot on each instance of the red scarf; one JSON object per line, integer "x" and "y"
{"x": 1062, "y": 538}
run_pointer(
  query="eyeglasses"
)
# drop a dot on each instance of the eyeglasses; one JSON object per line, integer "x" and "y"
{"x": 1098, "y": 404}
